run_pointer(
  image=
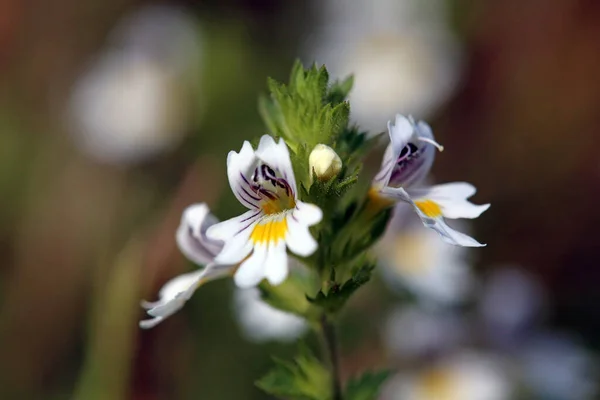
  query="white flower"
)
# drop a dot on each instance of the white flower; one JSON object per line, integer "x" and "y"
{"x": 195, "y": 245}
{"x": 261, "y": 323}
{"x": 511, "y": 303}
{"x": 134, "y": 101}
{"x": 414, "y": 332}
{"x": 414, "y": 258}
{"x": 555, "y": 366}
{"x": 463, "y": 376}
{"x": 406, "y": 161}
{"x": 263, "y": 181}
{"x": 402, "y": 54}
{"x": 324, "y": 162}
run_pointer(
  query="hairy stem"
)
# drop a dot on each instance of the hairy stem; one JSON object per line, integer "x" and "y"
{"x": 331, "y": 348}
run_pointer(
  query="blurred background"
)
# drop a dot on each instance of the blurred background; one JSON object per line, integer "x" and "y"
{"x": 116, "y": 115}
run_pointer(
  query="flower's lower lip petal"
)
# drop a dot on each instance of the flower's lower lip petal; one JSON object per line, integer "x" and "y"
{"x": 276, "y": 266}
{"x": 307, "y": 214}
{"x": 236, "y": 249}
{"x": 251, "y": 271}
{"x": 452, "y": 198}
{"x": 450, "y": 235}
{"x": 179, "y": 284}
{"x": 168, "y": 308}
{"x": 396, "y": 194}
{"x": 464, "y": 209}
{"x": 150, "y": 323}
{"x": 226, "y": 230}
{"x": 176, "y": 292}
{"x": 299, "y": 240}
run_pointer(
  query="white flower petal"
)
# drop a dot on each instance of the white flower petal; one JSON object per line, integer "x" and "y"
{"x": 276, "y": 263}
{"x": 176, "y": 292}
{"x": 277, "y": 156}
{"x": 307, "y": 214}
{"x": 191, "y": 235}
{"x": 235, "y": 232}
{"x": 448, "y": 234}
{"x": 240, "y": 167}
{"x": 236, "y": 248}
{"x": 252, "y": 271}
{"x": 298, "y": 238}
{"x": 387, "y": 166}
{"x": 435, "y": 220}
{"x": 225, "y": 230}
{"x": 400, "y": 134}
{"x": 452, "y": 198}
{"x": 260, "y": 322}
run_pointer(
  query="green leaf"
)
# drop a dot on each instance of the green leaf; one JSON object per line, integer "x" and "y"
{"x": 304, "y": 378}
{"x": 290, "y": 296}
{"x": 340, "y": 90}
{"x": 367, "y": 386}
{"x": 337, "y": 295}
{"x": 302, "y": 111}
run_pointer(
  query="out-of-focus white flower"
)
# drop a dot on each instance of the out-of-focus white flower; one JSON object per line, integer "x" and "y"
{"x": 134, "y": 101}
{"x": 324, "y": 162}
{"x": 276, "y": 220}
{"x": 413, "y": 332}
{"x": 401, "y": 52}
{"x": 261, "y": 323}
{"x": 556, "y": 367}
{"x": 510, "y": 303}
{"x": 463, "y": 376}
{"x": 415, "y": 259}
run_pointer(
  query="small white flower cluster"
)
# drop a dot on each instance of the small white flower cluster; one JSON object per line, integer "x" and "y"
{"x": 253, "y": 246}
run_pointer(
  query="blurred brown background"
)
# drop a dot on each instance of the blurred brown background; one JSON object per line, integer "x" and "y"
{"x": 88, "y": 213}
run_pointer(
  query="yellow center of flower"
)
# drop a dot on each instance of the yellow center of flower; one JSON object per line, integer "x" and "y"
{"x": 429, "y": 207}
{"x": 437, "y": 384}
{"x": 278, "y": 205}
{"x": 271, "y": 230}
{"x": 411, "y": 253}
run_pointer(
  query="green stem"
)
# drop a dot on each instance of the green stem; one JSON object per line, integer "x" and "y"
{"x": 331, "y": 348}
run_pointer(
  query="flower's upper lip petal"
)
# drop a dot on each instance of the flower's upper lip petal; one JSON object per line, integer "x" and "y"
{"x": 403, "y": 131}
{"x": 387, "y": 166}
{"x": 277, "y": 156}
{"x": 191, "y": 235}
{"x": 240, "y": 167}
{"x": 400, "y": 133}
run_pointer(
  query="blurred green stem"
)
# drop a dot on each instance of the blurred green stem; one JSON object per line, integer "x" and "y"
{"x": 331, "y": 348}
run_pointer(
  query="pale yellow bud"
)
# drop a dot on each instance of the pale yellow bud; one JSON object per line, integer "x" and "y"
{"x": 325, "y": 162}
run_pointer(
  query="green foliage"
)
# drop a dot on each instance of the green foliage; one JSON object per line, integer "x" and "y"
{"x": 333, "y": 298}
{"x": 367, "y": 386}
{"x": 304, "y": 378}
{"x": 340, "y": 90}
{"x": 306, "y": 111}
{"x": 290, "y": 296}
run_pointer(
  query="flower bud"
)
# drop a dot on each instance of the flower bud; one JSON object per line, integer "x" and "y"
{"x": 324, "y": 162}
